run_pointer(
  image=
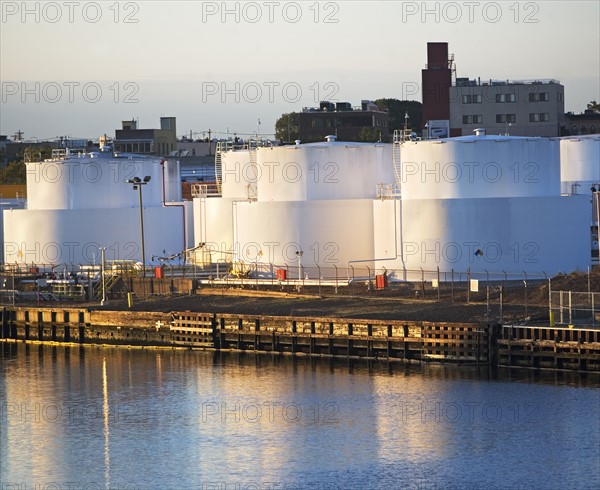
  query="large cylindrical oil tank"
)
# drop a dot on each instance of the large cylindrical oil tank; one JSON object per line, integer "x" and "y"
{"x": 98, "y": 181}
{"x": 323, "y": 171}
{"x": 480, "y": 166}
{"x": 74, "y": 236}
{"x": 329, "y": 233}
{"x": 238, "y": 174}
{"x": 579, "y": 163}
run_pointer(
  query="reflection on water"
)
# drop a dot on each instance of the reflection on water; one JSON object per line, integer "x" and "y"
{"x": 106, "y": 414}
{"x": 114, "y": 418}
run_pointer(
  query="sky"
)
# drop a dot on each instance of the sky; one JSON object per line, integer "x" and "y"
{"x": 79, "y": 68}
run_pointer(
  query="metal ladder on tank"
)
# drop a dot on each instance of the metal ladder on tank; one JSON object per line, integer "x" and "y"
{"x": 221, "y": 147}
{"x": 252, "y": 191}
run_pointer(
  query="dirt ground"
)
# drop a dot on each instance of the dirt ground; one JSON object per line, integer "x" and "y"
{"x": 401, "y": 301}
{"x": 339, "y": 306}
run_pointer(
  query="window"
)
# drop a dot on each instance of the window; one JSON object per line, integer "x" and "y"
{"x": 540, "y": 97}
{"x": 583, "y": 129}
{"x": 506, "y": 118}
{"x": 593, "y": 129}
{"x": 471, "y": 99}
{"x": 474, "y": 119}
{"x": 506, "y": 97}
{"x": 541, "y": 117}
{"x": 574, "y": 129}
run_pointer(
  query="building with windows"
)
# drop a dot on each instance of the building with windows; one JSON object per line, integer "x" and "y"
{"x": 456, "y": 106}
{"x": 161, "y": 141}
{"x": 581, "y": 124}
{"x": 367, "y": 122}
{"x": 520, "y": 108}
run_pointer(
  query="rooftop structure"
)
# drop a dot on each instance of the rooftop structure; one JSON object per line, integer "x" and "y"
{"x": 161, "y": 141}
{"x": 348, "y": 123}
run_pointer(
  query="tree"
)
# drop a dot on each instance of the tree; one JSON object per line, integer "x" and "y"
{"x": 369, "y": 135}
{"x": 13, "y": 173}
{"x": 398, "y": 108}
{"x": 594, "y": 106}
{"x": 287, "y": 127}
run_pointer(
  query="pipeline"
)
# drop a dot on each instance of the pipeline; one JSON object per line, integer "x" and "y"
{"x": 164, "y": 202}
{"x": 397, "y": 254}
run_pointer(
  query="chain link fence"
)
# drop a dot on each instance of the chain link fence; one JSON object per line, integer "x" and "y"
{"x": 21, "y": 283}
{"x": 569, "y": 308}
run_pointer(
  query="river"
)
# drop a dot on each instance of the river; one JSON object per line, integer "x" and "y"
{"x": 128, "y": 419}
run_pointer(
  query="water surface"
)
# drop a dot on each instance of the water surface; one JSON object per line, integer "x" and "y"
{"x": 117, "y": 418}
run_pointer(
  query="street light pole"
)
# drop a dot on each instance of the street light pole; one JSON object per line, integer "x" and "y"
{"x": 137, "y": 185}
{"x": 142, "y": 232}
{"x": 103, "y": 272}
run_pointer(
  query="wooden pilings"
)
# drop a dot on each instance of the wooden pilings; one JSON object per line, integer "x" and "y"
{"x": 549, "y": 347}
{"x": 475, "y": 343}
{"x": 354, "y": 338}
{"x": 43, "y": 324}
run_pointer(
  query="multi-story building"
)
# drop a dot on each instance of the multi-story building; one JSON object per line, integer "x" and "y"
{"x": 161, "y": 141}
{"x": 344, "y": 121}
{"x": 456, "y": 106}
{"x": 520, "y": 108}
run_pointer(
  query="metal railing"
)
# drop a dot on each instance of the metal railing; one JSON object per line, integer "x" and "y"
{"x": 205, "y": 190}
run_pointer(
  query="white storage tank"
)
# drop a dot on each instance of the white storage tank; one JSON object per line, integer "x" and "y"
{"x": 579, "y": 163}
{"x": 74, "y": 236}
{"x": 480, "y": 166}
{"x": 81, "y": 203}
{"x": 328, "y": 170}
{"x": 330, "y": 233}
{"x": 99, "y": 181}
{"x": 238, "y": 174}
{"x": 532, "y": 235}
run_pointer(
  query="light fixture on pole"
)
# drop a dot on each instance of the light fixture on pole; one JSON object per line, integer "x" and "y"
{"x": 137, "y": 185}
